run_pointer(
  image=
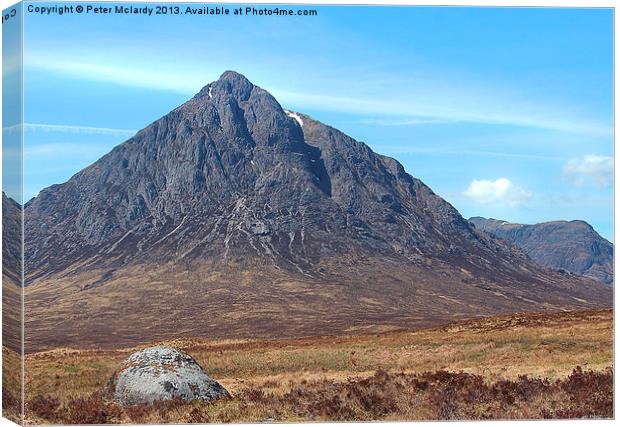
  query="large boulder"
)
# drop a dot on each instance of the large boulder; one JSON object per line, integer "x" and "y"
{"x": 162, "y": 373}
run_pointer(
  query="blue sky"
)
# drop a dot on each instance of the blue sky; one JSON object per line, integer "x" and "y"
{"x": 505, "y": 112}
{"x": 11, "y": 110}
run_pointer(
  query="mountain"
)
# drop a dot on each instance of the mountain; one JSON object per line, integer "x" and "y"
{"x": 231, "y": 217}
{"x": 11, "y": 238}
{"x": 568, "y": 245}
{"x": 11, "y": 273}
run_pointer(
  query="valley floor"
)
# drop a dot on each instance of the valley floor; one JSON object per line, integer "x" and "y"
{"x": 529, "y": 365}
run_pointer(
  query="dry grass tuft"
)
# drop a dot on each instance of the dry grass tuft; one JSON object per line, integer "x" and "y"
{"x": 444, "y": 395}
{"x": 83, "y": 410}
{"x": 437, "y": 395}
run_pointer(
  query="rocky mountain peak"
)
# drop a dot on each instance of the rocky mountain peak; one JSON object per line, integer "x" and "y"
{"x": 235, "y": 83}
{"x": 231, "y": 83}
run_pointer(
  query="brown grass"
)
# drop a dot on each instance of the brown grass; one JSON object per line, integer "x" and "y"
{"x": 11, "y": 385}
{"x": 520, "y": 366}
{"x": 438, "y": 395}
{"x": 90, "y": 307}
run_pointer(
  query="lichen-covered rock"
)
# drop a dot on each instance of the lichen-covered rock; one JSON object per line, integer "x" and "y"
{"x": 162, "y": 373}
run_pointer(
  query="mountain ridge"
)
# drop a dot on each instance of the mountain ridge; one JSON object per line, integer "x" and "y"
{"x": 573, "y": 246}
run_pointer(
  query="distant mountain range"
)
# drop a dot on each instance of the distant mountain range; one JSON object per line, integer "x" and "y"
{"x": 568, "y": 245}
{"x": 232, "y": 217}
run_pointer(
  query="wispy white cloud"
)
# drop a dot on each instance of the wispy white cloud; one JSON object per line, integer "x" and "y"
{"x": 591, "y": 169}
{"x": 11, "y": 64}
{"x": 500, "y": 191}
{"x": 78, "y": 129}
{"x": 423, "y": 102}
{"x": 446, "y": 109}
{"x": 404, "y": 121}
{"x": 408, "y": 149}
{"x": 65, "y": 149}
{"x": 39, "y": 127}
{"x": 11, "y": 129}
{"x": 149, "y": 78}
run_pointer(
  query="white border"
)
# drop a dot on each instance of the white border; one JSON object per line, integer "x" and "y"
{"x": 490, "y": 3}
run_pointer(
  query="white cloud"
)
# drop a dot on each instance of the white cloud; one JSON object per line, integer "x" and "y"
{"x": 78, "y": 129}
{"x": 500, "y": 191}
{"x": 11, "y": 129}
{"x": 66, "y": 150}
{"x": 34, "y": 127}
{"x": 149, "y": 78}
{"x": 443, "y": 110}
{"x": 407, "y": 149}
{"x": 590, "y": 169}
{"x": 11, "y": 64}
{"x": 405, "y": 121}
{"x": 423, "y": 103}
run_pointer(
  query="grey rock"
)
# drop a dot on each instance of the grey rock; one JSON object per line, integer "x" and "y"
{"x": 258, "y": 228}
{"x": 162, "y": 373}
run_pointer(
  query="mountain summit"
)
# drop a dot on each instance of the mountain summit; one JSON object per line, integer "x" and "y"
{"x": 231, "y": 217}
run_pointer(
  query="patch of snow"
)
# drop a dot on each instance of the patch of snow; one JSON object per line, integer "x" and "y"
{"x": 294, "y": 116}
{"x": 210, "y": 92}
{"x": 252, "y": 161}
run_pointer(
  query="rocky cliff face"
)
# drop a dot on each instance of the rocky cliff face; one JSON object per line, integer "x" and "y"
{"x": 263, "y": 221}
{"x": 568, "y": 245}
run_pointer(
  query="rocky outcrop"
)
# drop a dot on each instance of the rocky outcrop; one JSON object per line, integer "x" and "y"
{"x": 568, "y": 245}
{"x": 162, "y": 373}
